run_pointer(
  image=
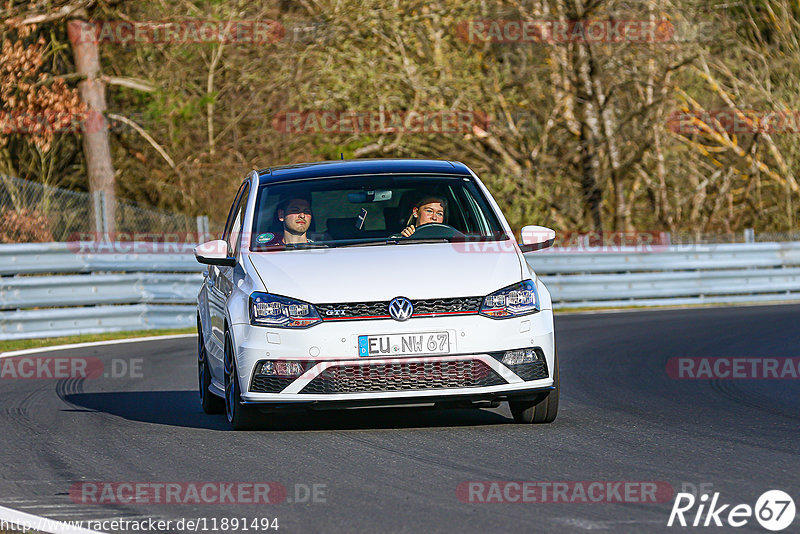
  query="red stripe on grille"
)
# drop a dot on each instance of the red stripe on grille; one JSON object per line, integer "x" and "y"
{"x": 434, "y": 314}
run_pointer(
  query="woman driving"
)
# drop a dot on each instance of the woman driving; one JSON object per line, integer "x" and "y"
{"x": 429, "y": 209}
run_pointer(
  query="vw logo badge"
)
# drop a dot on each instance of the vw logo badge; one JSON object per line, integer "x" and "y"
{"x": 400, "y": 308}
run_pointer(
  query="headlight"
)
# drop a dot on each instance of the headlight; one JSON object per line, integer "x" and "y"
{"x": 281, "y": 312}
{"x": 512, "y": 301}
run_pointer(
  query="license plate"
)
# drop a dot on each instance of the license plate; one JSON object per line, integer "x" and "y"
{"x": 404, "y": 344}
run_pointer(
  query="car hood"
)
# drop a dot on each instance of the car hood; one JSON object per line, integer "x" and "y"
{"x": 369, "y": 273}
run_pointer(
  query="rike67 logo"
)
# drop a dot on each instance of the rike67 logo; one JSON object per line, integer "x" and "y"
{"x": 774, "y": 510}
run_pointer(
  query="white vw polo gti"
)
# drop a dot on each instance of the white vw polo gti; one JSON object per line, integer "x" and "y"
{"x": 369, "y": 283}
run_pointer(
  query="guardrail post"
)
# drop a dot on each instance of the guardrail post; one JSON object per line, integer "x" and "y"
{"x": 101, "y": 218}
{"x": 203, "y": 233}
{"x": 749, "y": 235}
{"x": 99, "y": 227}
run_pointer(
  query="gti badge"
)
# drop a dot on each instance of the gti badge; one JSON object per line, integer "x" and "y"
{"x": 400, "y": 308}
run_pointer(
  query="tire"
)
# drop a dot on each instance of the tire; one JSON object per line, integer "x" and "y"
{"x": 542, "y": 410}
{"x": 239, "y": 416}
{"x": 211, "y": 403}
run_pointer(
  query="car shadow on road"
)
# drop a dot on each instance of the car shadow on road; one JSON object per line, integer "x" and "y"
{"x": 182, "y": 408}
{"x": 175, "y": 408}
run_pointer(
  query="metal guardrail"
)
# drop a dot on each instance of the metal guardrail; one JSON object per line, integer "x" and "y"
{"x": 675, "y": 275}
{"x": 124, "y": 286}
{"x": 154, "y": 286}
{"x": 23, "y": 324}
{"x": 673, "y": 258}
{"x": 78, "y": 290}
{"x": 652, "y": 289}
{"x": 33, "y": 258}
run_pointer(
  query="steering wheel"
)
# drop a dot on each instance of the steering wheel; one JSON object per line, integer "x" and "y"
{"x": 435, "y": 230}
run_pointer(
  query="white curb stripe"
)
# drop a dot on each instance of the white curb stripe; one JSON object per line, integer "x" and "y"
{"x": 41, "y": 524}
{"x": 92, "y": 344}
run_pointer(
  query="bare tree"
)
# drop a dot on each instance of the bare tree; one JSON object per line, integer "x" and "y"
{"x": 96, "y": 145}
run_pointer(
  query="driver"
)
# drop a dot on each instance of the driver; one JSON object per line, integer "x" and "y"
{"x": 429, "y": 209}
{"x": 294, "y": 213}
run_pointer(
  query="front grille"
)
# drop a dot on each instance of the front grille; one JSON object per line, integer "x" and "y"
{"x": 380, "y": 309}
{"x": 445, "y": 306}
{"x": 353, "y": 310}
{"x": 270, "y": 384}
{"x": 403, "y": 376}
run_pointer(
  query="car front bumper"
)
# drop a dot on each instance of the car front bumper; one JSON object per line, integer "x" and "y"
{"x": 331, "y": 353}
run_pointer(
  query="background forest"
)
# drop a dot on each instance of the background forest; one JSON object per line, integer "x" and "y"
{"x": 578, "y": 135}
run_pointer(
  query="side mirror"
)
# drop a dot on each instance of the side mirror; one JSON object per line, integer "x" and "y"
{"x": 214, "y": 253}
{"x": 536, "y": 238}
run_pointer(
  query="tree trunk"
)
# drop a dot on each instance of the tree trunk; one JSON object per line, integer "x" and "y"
{"x": 96, "y": 146}
{"x": 588, "y": 117}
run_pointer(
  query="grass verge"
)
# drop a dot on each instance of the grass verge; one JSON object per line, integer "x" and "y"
{"x": 21, "y": 344}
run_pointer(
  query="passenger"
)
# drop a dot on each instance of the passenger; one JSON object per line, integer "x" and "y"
{"x": 295, "y": 215}
{"x": 430, "y": 209}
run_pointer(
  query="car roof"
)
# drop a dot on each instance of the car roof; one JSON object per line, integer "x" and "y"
{"x": 354, "y": 167}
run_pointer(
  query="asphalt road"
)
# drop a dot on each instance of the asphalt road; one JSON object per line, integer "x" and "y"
{"x": 622, "y": 418}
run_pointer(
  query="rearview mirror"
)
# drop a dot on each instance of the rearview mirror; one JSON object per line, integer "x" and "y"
{"x": 378, "y": 195}
{"x": 214, "y": 253}
{"x": 536, "y": 238}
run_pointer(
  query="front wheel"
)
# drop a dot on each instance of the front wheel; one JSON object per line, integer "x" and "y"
{"x": 211, "y": 403}
{"x": 239, "y": 416}
{"x": 542, "y": 410}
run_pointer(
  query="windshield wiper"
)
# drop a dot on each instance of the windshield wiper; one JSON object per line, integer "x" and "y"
{"x": 411, "y": 240}
{"x": 291, "y": 246}
{"x": 367, "y": 243}
{"x": 393, "y": 241}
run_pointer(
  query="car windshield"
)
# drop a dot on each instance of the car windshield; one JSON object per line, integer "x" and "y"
{"x": 371, "y": 210}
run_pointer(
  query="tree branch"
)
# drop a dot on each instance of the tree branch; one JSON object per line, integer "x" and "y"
{"x": 147, "y": 136}
{"x": 63, "y": 12}
{"x": 131, "y": 83}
